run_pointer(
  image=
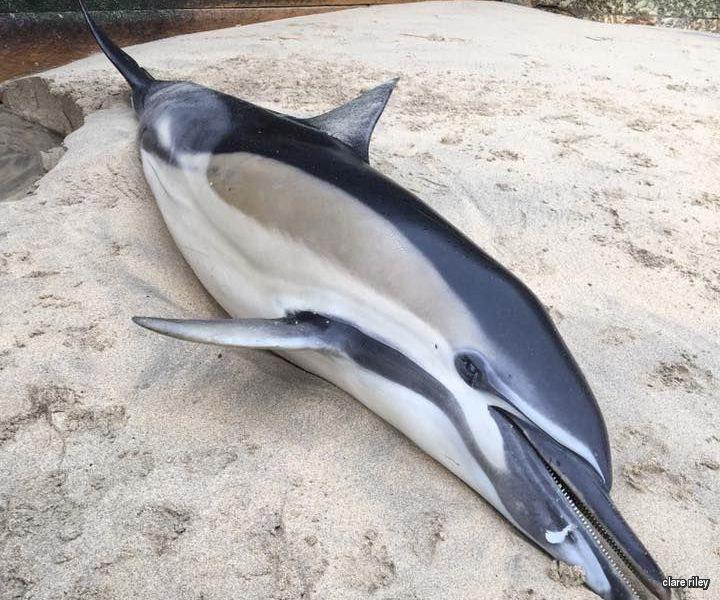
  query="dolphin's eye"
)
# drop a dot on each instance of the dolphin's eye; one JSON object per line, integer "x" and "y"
{"x": 472, "y": 370}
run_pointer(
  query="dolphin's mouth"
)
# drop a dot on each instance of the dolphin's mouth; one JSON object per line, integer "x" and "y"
{"x": 631, "y": 571}
{"x": 617, "y": 559}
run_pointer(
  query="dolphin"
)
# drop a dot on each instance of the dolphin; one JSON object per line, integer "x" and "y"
{"x": 322, "y": 259}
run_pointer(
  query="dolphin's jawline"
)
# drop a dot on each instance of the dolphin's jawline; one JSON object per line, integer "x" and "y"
{"x": 585, "y": 492}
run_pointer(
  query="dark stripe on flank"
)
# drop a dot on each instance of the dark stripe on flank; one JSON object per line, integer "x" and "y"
{"x": 387, "y": 362}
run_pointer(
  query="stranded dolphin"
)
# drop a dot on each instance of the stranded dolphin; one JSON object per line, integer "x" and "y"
{"x": 322, "y": 259}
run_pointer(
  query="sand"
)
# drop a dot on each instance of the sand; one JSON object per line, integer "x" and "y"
{"x": 27, "y": 152}
{"x": 583, "y": 156}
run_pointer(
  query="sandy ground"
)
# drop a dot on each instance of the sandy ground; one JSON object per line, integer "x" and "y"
{"x": 27, "y": 152}
{"x": 584, "y": 156}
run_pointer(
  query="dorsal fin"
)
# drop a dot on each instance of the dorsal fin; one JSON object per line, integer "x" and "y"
{"x": 353, "y": 123}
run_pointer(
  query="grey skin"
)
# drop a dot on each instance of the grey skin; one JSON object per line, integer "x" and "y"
{"x": 536, "y": 388}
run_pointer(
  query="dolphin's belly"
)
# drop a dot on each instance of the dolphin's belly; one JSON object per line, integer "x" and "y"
{"x": 266, "y": 239}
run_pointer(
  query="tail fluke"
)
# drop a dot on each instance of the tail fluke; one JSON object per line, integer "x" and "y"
{"x": 135, "y": 75}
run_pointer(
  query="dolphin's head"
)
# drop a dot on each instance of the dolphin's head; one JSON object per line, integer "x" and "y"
{"x": 557, "y": 477}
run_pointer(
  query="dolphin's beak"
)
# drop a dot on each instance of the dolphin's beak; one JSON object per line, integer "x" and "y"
{"x": 566, "y": 510}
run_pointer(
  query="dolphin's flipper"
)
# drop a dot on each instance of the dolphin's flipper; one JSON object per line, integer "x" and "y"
{"x": 290, "y": 333}
{"x": 354, "y": 122}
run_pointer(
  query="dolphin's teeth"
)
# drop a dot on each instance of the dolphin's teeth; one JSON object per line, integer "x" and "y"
{"x": 597, "y": 532}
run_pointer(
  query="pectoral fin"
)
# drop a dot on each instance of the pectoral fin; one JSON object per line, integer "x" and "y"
{"x": 354, "y": 122}
{"x": 290, "y": 333}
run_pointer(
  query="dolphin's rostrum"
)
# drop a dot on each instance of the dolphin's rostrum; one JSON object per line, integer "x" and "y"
{"x": 319, "y": 257}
